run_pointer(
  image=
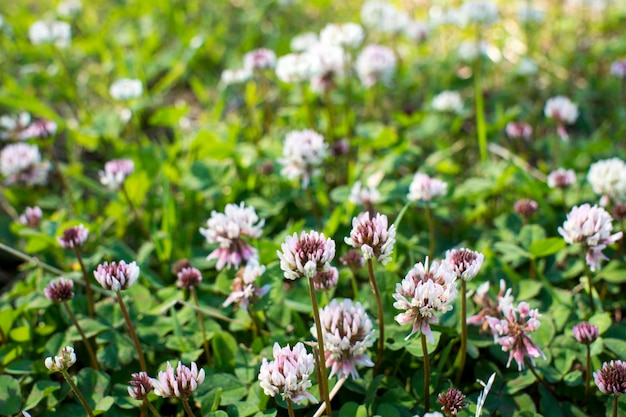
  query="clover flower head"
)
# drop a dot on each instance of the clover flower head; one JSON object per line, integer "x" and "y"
{"x": 618, "y": 68}
{"x": 519, "y": 130}
{"x": 140, "y": 385}
{"x": 244, "y": 289}
{"x": 235, "y": 76}
{"x": 180, "y": 383}
{"x": 373, "y": 236}
{"x": 364, "y": 195}
{"x": 353, "y": 259}
{"x": 325, "y": 280}
{"x": 288, "y": 374}
{"x": 346, "y": 34}
{"x": 55, "y": 31}
{"x": 561, "y": 109}
{"x": 306, "y": 255}
{"x": 561, "y": 178}
{"x": 526, "y": 207}
{"x": 259, "y": 59}
{"x": 117, "y": 276}
{"x": 448, "y": 101}
{"x": 39, "y": 129}
{"x": 62, "y": 362}
{"x": 31, "y": 216}
{"x": 11, "y": 124}
{"x": 21, "y": 163}
{"x": 608, "y": 178}
{"x": 295, "y": 68}
{"x": 59, "y": 290}
{"x": 73, "y": 237}
{"x": 376, "y": 64}
{"x": 229, "y": 230}
{"x": 383, "y": 17}
{"x": 480, "y": 12}
{"x": 452, "y": 401}
{"x": 427, "y": 290}
{"x": 347, "y": 332}
{"x": 490, "y": 307}
{"x": 126, "y": 89}
{"x": 303, "y": 41}
{"x": 327, "y": 64}
{"x": 592, "y": 226}
{"x": 115, "y": 173}
{"x": 188, "y": 277}
{"x": 425, "y": 188}
{"x": 303, "y": 153}
{"x": 465, "y": 263}
{"x": 611, "y": 379}
{"x": 417, "y": 30}
{"x": 585, "y": 333}
{"x": 513, "y": 333}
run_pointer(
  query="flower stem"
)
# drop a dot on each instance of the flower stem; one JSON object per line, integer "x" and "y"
{"x": 88, "y": 291}
{"x": 431, "y": 231}
{"x": 588, "y": 372}
{"x": 614, "y": 409}
{"x": 481, "y": 126}
{"x": 463, "y": 351}
{"x": 590, "y": 287}
{"x": 205, "y": 344}
{"x": 426, "y": 373}
{"x": 92, "y": 356}
{"x": 187, "y": 408}
{"x": 316, "y": 208}
{"x": 334, "y": 392}
{"x": 323, "y": 379}
{"x": 290, "y": 408}
{"x": 131, "y": 330}
{"x": 540, "y": 379}
{"x": 331, "y": 117}
{"x": 154, "y": 411}
{"x": 77, "y": 392}
{"x": 142, "y": 228}
{"x": 381, "y": 316}
{"x": 355, "y": 287}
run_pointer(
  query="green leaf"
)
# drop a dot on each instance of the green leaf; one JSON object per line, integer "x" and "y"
{"x": 40, "y": 390}
{"x": 10, "y": 395}
{"x": 352, "y": 409}
{"x": 616, "y": 346}
{"x": 233, "y": 389}
{"x": 387, "y": 410}
{"x": 224, "y": 345}
{"x": 546, "y": 247}
{"x": 602, "y": 321}
{"x": 528, "y": 289}
{"x": 20, "y": 334}
{"x": 94, "y": 385}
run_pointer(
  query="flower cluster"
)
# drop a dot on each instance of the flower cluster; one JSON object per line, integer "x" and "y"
{"x": 306, "y": 255}
{"x": 526, "y": 207}
{"x": 188, "y": 277}
{"x": 562, "y": 111}
{"x": 115, "y": 173}
{"x": 519, "y": 130}
{"x": 60, "y": 290}
{"x": 325, "y": 280}
{"x": 31, "y": 216}
{"x": 561, "y": 178}
{"x": 140, "y": 385}
{"x": 425, "y": 188}
{"x": 21, "y": 163}
{"x": 452, "y": 401}
{"x": 611, "y": 379}
{"x": 303, "y": 153}
{"x": 489, "y": 307}
{"x": 117, "y": 276}
{"x": 585, "y": 333}
{"x": 448, "y": 101}
{"x": 618, "y": 68}
{"x": 373, "y": 236}
{"x": 479, "y": 12}
{"x": 608, "y": 179}
{"x": 347, "y": 35}
{"x": 73, "y": 237}
{"x": 375, "y": 64}
{"x": 179, "y": 384}
{"x": 62, "y": 362}
{"x": 464, "y": 262}
{"x": 244, "y": 288}
{"x": 126, "y": 89}
{"x": 229, "y": 229}
{"x": 259, "y": 59}
{"x": 289, "y": 372}
{"x": 347, "y": 333}
{"x": 56, "y": 32}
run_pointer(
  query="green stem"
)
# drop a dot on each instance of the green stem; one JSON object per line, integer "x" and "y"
{"x": 307, "y": 106}
{"x": 431, "y": 231}
{"x": 92, "y": 356}
{"x": 589, "y": 287}
{"x": 142, "y": 228}
{"x": 426, "y": 373}
{"x": 187, "y": 408}
{"x": 614, "y": 409}
{"x": 331, "y": 117}
{"x": 323, "y": 379}
{"x": 64, "y": 184}
{"x": 463, "y": 351}
{"x": 205, "y": 344}
{"x": 355, "y": 286}
{"x": 588, "y": 372}
{"x": 88, "y": 291}
{"x": 131, "y": 330}
{"x": 77, "y": 392}
{"x": 381, "y": 316}
{"x": 480, "y": 106}
{"x": 290, "y": 408}
{"x": 315, "y": 206}
{"x": 540, "y": 379}
{"x": 154, "y": 411}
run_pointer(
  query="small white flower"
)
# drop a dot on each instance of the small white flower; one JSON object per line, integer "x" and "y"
{"x": 448, "y": 101}
{"x": 259, "y": 59}
{"x": 179, "y": 384}
{"x": 303, "y": 153}
{"x": 62, "y": 362}
{"x": 57, "y": 32}
{"x": 383, "y": 17}
{"x": 347, "y": 34}
{"x": 294, "y": 68}
{"x": 235, "y": 76}
{"x": 21, "y": 163}
{"x": 376, "y": 64}
{"x": 304, "y": 41}
{"x": 69, "y": 8}
{"x": 126, "y": 89}
{"x": 480, "y": 12}
{"x": 608, "y": 178}
{"x": 425, "y": 188}
{"x": 561, "y": 109}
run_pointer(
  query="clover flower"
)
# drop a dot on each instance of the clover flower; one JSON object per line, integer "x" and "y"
{"x": 618, "y": 68}
{"x": 383, "y": 17}
{"x": 73, "y": 237}
{"x": 117, "y": 276}
{"x": 519, "y": 130}
{"x": 346, "y": 34}
{"x": 452, "y": 401}
{"x": 562, "y": 111}
{"x": 365, "y": 195}
{"x": 244, "y": 288}
{"x": 561, "y": 178}
{"x": 373, "y": 236}
{"x": 126, "y": 89}
{"x": 188, "y": 278}
{"x": 235, "y": 76}
{"x": 619, "y": 211}
{"x": 56, "y": 32}
{"x": 325, "y": 280}
{"x": 181, "y": 264}
{"x": 592, "y": 226}
{"x": 427, "y": 290}
{"x": 259, "y": 59}
{"x": 21, "y": 163}
{"x": 229, "y": 229}
{"x": 526, "y": 207}
{"x": 608, "y": 178}
{"x": 304, "y": 256}
{"x": 611, "y": 379}
{"x": 140, "y": 385}
{"x": 69, "y": 8}
{"x": 512, "y": 332}
{"x": 417, "y": 30}
{"x": 288, "y": 374}
{"x": 353, "y": 259}
{"x": 31, "y": 216}
{"x": 488, "y": 306}
{"x": 448, "y": 101}
{"x": 62, "y": 362}
{"x": 376, "y": 64}
{"x": 425, "y": 188}
{"x": 11, "y": 124}
{"x": 180, "y": 384}
{"x": 585, "y": 333}
{"x": 303, "y": 41}
{"x": 295, "y": 68}
{"x": 347, "y": 333}
{"x": 60, "y": 290}
{"x": 303, "y": 153}
{"x": 464, "y": 262}
{"x": 115, "y": 173}
{"x": 469, "y": 51}
{"x": 327, "y": 65}
{"x": 480, "y": 12}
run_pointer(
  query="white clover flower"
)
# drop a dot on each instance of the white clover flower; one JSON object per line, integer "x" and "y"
{"x": 417, "y": 30}
{"x": 295, "y": 68}
{"x": 21, "y": 163}
{"x": 468, "y": 51}
{"x": 373, "y": 236}
{"x": 303, "y": 153}
{"x": 181, "y": 384}
{"x": 383, "y": 17}
{"x": 348, "y": 35}
{"x": 376, "y": 64}
{"x": 561, "y": 109}
{"x": 448, "y": 101}
{"x": 73, "y": 237}
{"x": 366, "y": 195}
{"x": 465, "y": 263}
{"x": 425, "y": 188}
{"x": 327, "y": 64}
{"x": 288, "y": 374}
{"x": 115, "y": 173}
{"x": 347, "y": 333}
{"x": 526, "y": 67}
{"x": 63, "y": 362}
{"x": 69, "y": 8}
{"x": 126, "y": 89}
{"x": 56, "y": 32}
{"x": 14, "y": 123}
{"x": 259, "y": 59}
{"x": 304, "y": 41}
{"x": 116, "y": 276}
{"x": 235, "y": 76}
{"x": 244, "y": 289}
{"x": 608, "y": 178}
{"x": 31, "y": 216}
{"x": 561, "y": 178}
{"x": 306, "y": 255}
{"x": 480, "y": 12}
{"x": 519, "y": 130}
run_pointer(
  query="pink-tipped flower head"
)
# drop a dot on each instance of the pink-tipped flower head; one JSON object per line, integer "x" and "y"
{"x": 73, "y": 237}
{"x": 464, "y": 262}
{"x": 31, "y": 216}
{"x": 140, "y": 385}
{"x": 561, "y": 110}
{"x": 488, "y": 306}
{"x": 448, "y": 102}
{"x": 327, "y": 64}
{"x": 618, "y": 68}
{"x": 259, "y": 59}
{"x": 229, "y": 230}
{"x": 295, "y": 68}
{"x": 347, "y": 333}
{"x": 306, "y": 255}
{"x": 349, "y": 35}
{"x": 585, "y": 333}
{"x": 60, "y": 290}
{"x": 188, "y": 278}
{"x": 519, "y": 130}
{"x": 288, "y": 374}
{"x": 526, "y": 207}
{"x": 373, "y": 236}
{"x": 303, "y": 153}
{"x": 425, "y": 188}
{"x": 39, "y": 129}
{"x": 366, "y": 195}
{"x": 62, "y": 362}
{"x": 513, "y": 333}
{"x": 611, "y": 379}
{"x": 115, "y": 173}
{"x": 325, "y": 280}
{"x": 117, "y": 276}
{"x": 180, "y": 383}
{"x": 452, "y": 401}
{"x": 591, "y": 226}
{"x": 376, "y": 64}
{"x": 21, "y": 163}
{"x": 561, "y": 178}
{"x": 427, "y": 290}
{"x": 244, "y": 288}
{"x": 608, "y": 179}
{"x": 353, "y": 259}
